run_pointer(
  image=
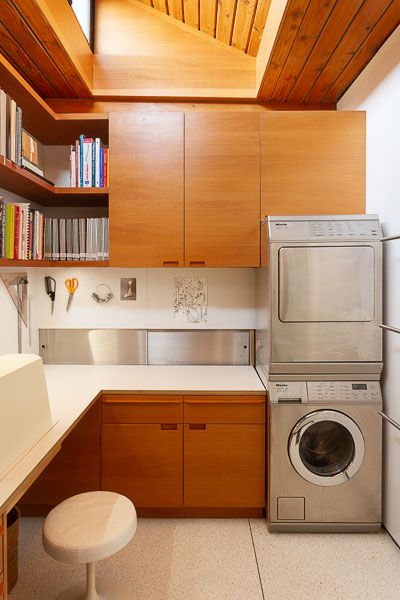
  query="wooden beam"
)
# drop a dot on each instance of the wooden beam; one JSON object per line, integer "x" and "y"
{"x": 191, "y": 13}
{"x": 379, "y": 34}
{"x": 225, "y": 20}
{"x": 357, "y": 33}
{"x": 208, "y": 16}
{"x": 258, "y": 27}
{"x": 291, "y": 21}
{"x": 26, "y": 39}
{"x": 55, "y": 25}
{"x": 307, "y": 34}
{"x": 335, "y": 28}
{"x": 244, "y": 19}
{"x": 175, "y": 8}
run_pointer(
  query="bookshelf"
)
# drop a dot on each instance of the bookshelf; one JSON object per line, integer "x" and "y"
{"x": 20, "y": 181}
{"x": 5, "y": 262}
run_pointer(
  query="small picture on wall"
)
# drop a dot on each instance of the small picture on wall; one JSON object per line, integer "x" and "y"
{"x": 190, "y": 299}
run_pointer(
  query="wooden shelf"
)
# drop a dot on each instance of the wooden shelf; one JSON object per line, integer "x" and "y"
{"x": 41, "y": 121}
{"x": 6, "y": 262}
{"x": 20, "y": 181}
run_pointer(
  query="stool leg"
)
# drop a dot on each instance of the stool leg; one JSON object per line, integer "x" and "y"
{"x": 91, "y": 592}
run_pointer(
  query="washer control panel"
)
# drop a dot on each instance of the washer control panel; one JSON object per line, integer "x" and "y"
{"x": 344, "y": 391}
{"x": 301, "y": 392}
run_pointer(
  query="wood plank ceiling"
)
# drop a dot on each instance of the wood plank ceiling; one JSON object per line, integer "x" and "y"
{"x": 238, "y": 23}
{"x": 30, "y": 44}
{"x": 322, "y": 47}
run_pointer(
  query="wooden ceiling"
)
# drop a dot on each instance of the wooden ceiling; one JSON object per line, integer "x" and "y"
{"x": 31, "y": 43}
{"x": 238, "y": 23}
{"x": 322, "y": 47}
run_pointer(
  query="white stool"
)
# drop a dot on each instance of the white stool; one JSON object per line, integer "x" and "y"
{"x": 87, "y": 528}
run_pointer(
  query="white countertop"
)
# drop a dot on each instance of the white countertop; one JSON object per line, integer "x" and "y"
{"x": 72, "y": 388}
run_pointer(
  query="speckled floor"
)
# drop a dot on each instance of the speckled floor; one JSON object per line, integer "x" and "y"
{"x": 204, "y": 559}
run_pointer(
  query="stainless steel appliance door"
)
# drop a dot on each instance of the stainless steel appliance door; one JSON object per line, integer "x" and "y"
{"x": 326, "y": 307}
{"x": 326, "y": 447}
{"x": 326, "y": 283}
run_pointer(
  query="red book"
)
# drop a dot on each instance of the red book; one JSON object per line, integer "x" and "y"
{"x": 17, "y": 219}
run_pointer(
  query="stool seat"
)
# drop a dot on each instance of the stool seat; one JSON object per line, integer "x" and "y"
{"x": 89, "y": 527}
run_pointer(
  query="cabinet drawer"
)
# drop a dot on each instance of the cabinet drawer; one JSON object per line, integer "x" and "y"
{"x": 224, "y": 409}
{"x": 127, "y": 408}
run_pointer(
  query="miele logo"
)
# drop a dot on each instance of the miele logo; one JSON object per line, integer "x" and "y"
{"x": 281, "y": 385}
{"x": 280, "y": 224}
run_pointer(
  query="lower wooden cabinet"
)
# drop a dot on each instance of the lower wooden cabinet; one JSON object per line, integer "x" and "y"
{"x": 74, "y": 470}
{"x": 144, "y": 462}
{"x": 224, "y": 465}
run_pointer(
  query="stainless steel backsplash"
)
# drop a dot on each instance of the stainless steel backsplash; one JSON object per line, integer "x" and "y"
{"x": 141, "y": 347}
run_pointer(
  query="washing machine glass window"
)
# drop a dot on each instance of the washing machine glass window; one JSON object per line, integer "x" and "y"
{"x": 326, "y": 447}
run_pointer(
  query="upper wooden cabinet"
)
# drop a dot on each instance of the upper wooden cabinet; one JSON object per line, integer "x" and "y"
{"x": 312, "y": 162}
{"x": 222, "y": 189}
{"x": 146, "y": 189}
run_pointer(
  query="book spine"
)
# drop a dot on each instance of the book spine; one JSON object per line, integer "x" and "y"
{"x": 19, "y": 137}
{"x": 77, "y": 163}
{"x": 105, "y": 167}
{"x": 81, "y": 138}
{"x": 97, "y": 158}
{"x": 16, "y": 232}
{"x": 87, "y": 162}
{"x": 72, "y": 167}
{"x": 101, "y": 167}
{"x": 82, "y": 239}
{"x": 2, "y": 218}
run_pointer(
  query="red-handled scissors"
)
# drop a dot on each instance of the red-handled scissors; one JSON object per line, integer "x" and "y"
{"x": 71, "y": 285}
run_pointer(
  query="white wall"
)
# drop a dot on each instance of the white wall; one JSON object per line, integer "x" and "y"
{"x": 377, "y": 91}
{"x": 231, "y": 301}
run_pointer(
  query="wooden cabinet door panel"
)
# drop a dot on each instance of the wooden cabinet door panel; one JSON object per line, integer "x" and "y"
{"x": 146, "y": 408}
{"x": 144, "y": 463}
{"x": 224, "y": 465}
{"x": 224, "y": 409}
{"x": 146, "y": 189}
{"x": 222, "y": 189}
{"x": 75, "y": 469}
{"x": 312, "y": 162}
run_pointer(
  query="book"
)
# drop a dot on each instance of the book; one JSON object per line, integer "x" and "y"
{"x": 3, "y": 123}
{"x": 75, "y": 239}
{"x": 62, "y": 239}
{"x": 55, "y": 248}
{"x": 31, "y": 167}
{"x": 72, "y": 172}
{"x": 47, "y": 253}
{"x": 13, "y": 130}
{"x": 81, "y": 138}
{"x": 82, "y": 239}
{"x": 18, "y": 158}
{"x": 70, "y": 255}
{"x": 87, "y": 162}
{"x": 97, "y": 162}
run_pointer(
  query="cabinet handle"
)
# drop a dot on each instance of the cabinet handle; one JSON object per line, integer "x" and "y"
{"x": 169, "y": 426}
{"x": 170, "y": 263}
{"x": 197, "y": 426}
{"x": 197, "y": 263}
{"x": 230, "y": 401}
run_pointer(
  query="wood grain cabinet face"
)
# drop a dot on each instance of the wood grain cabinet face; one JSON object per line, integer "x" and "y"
{"x": 312, "y": 162}
{"x": 144, "y": 462}
{"x": 224, "y": 450}
{"x": 146, "y": 189}
{"x": 222, "y": 189}
{"x": 75, "y": 469}
{"x": 224, "y": 465}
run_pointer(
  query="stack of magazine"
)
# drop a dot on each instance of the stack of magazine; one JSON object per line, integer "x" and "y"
{"x": 76, "y": 239}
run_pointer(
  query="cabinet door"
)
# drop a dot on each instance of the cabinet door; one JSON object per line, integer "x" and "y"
{"x": 222, "y": 189}
{"x": 75, "y": 469}
{"x": 144, "y": 463}
{"x": 224, "y": 465}
{"x": 146, "y": 189}
{"x": 312, "y": 162}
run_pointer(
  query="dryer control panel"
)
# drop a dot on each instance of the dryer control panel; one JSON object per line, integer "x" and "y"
{"x": 324, "y": 392}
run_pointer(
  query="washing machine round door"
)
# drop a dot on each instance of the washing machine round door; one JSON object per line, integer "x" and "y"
{"x": 326, "y": 447}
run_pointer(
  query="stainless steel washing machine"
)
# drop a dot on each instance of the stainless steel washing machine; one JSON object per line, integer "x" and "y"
{"x": 324, "y": 460}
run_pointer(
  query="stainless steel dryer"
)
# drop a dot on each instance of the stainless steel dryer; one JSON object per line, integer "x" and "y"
{"x": 319, "y": 299}
{"x": 324, "y": 460}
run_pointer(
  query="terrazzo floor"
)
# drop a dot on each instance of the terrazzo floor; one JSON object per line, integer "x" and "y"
{"x": 235, "y": 559}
